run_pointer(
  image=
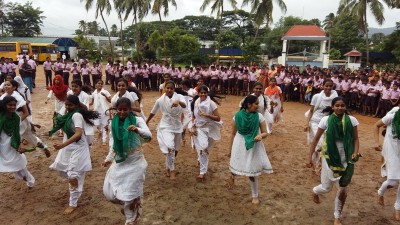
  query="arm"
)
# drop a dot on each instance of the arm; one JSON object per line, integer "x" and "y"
{"x": 310, "y": 114}
{"x": 233, "y": 133}
{"x": 25, "y": 112}
{"x": 149, "y": 118}
{"x": 74, "y": 138}
{"x": 136, "y": 106}
{"x": 314, "y": 145}
{"x": 377, "y": 125}
{"x": 263, "y": 133}
{"x": 214, "y": 116}
{"x": 49, "y": 96}
{"x": 356, "y": 143}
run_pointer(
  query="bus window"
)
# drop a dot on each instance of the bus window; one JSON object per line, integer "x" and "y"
{"x": 35, "y": 49}
{"x": 25, "y": 49}
{"x": 8, "y": 47}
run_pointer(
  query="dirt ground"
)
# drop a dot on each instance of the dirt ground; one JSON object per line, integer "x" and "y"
{"x": 285, "y": 195}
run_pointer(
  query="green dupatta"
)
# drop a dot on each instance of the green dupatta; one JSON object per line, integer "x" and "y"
{"x": 64, "y": 122}
{"x": 247, "y": 124}
{"x": 340, "y": 129}
{"x": 124, "y": 140}
{"x": 10, "y": 126}
{"x": 396, "y": 125}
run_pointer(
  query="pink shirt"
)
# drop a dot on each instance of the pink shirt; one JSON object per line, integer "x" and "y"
{"x": 47, "y": 65}
{"x": 395, "y": 94}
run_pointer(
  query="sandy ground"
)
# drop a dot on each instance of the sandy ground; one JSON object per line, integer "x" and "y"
{"x": 285, "y": 195}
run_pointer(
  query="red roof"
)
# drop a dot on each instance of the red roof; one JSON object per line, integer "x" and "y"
{"x": 305, "y": 31}
{"x": 353, "y": 53}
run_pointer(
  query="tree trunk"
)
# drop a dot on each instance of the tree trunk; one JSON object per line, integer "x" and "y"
{"x": 162, "y": 31}
{"x": 366, "y": 38}
{"x": 122, "y": 43}
{"x": 256, "y": 35}
{"x": 108, "y": 33}
{"x": 219, "y": 35}
{"x": 137, "y": 40}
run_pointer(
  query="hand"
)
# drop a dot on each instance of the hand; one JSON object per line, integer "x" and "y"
{"x": 105, "y": 164}
{"x": 281, "y": 109}
{"x": 203, "y": 114}
{"x": 309, "y": 164}
{"x": 103, "y": 94}
{"x": 175, "y": 104}
{"x": 58, "y": 146}
{"x": 307, "y": 128}
{"x": 378, "y": 148}
{"x": 258, "y": 138}
{"x": 132, "y": 128}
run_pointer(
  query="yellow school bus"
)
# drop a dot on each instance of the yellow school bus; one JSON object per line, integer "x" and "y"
{"x": 13, "y": 49}
{"x": 42, "y": 51}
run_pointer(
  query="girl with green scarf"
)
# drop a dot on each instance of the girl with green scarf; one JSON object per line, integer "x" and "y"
{"x": 125, "y": 178}
{"x": 339, "y": 153}
{"x": 391, "y": 155}
{"x": 11, "y": 159}
{"x": 73, "y": 157}
{"x": 248, "y": 155}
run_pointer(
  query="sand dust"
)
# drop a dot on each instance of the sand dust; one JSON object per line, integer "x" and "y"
{"x": 285, "y": 195}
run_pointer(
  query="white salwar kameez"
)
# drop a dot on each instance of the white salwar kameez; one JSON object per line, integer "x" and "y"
{"x": 391, "y": 155}
{"x": 327, "y": 178}
{"x": 276, "y": 115}
{"x": 124, "y": 181}
{"x": 73, "y": 161}
{"x": 101, "y": 105}
{"x": 59, "y": 106}
{"x": 170, "y": 128}
{"x": 13, "y": 161}
{"x": 264, "y": 110}
{"x": 132, "y": 96}
{"x": 208, "y": 131}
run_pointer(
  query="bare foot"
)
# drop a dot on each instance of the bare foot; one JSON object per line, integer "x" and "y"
{"x": 381, "y": 200}
{"x": 397, "y": 215}
{"x": 316, "y": 199}
{"x": 172, "y": 175}
{"x": 337, "y": 222}
{"x": 255, "y": 201}
{"x": 69, "y": 210}
{"x": 47, "y": 153}
{"x": 168, "y": 173}
{"x": 200, "y": 178}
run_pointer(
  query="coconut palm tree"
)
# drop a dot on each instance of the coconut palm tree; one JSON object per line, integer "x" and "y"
{"x": 158, "y": 5}
{"x": 359, "y": 8}
{"x": 262, "y": 11}
{"x": 218, "y": 6}
{"x": 328, "y": 23}
{"x": 82, "y": 26}
{"x": 102, "y": 6}
{"x": 139, "y": 9}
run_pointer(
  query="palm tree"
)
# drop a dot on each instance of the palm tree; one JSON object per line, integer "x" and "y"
{"x": 218, "y": 6}
{"x": 101, "y": 7}
{"x": 139, "y": 9}
{"x": 157, "y": 6}
{"x": 359, "y": 8}
{"x": 82, "y": 26}
{"x": 328, "y": 23}
{"x": 2, "y": 15}
{"x": 262, "y": 11}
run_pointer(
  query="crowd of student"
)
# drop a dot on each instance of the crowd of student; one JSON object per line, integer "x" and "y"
{"x": 189, "y": 104}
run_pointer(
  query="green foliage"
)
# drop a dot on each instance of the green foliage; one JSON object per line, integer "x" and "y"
{"x": 251, "y": 51}
{"x": 229, "y": 40}
{"x": 239, "y": 22}
{"x": 23, "y": 20}
{"x": 334, "y": 54}
{"x": 345, "y": 35}
{"x": 391, "y": 44}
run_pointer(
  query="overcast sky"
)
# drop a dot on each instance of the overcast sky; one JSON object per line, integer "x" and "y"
{"x": 62, "y": 16}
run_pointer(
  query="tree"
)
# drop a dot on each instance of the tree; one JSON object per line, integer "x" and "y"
{"x": 114, "y": 30}
{"x": 391, "y": 44}
{"x": 230, "y": 40}
{"x": 217, "y": 6}
{"x": 158, "y": 5}
{"x": 334, "y": 54}
{"x": 93, "y": 28}
{"x": 377, "y": 38}
{"x": 345, "y": 34}
{"x": 359, "y": 8}
{"x": 23, "y": 20}
{"x": 82, "y": 26}
{"x": 262, "y": 10}
{"x": 251, "y": 51}
{"x": 328, "y": 23}
{"x": 102, "y": 6}
{"x": 204, "y": 27}
{"x": 239, "y": 22}
{"x": 2, "y": 16}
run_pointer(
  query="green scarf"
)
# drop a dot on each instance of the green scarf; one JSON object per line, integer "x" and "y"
{"x": 124, "y": 140}
{"x": 340, "y": 129}
{"x": 64, "y": 122}
{"x": 247, "y": 124}
{"x": 10, "y": 126}
{"x": 396, "y": 125}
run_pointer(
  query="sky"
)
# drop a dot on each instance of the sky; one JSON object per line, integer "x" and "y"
{"x": 62, "y": 16}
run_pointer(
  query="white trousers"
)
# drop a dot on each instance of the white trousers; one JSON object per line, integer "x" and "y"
{"x": 203, "y": 156}
{"x": 132, "y": 208}
{"x": 326, "y": 186}
{"x": 101, "y": 129}
{"x": 75, "y": 193}
{"x": 384, "y": 187}
{"x": 170, "y": 160}
{"x": 24, "y": 173}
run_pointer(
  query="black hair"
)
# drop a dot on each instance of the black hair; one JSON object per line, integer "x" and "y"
{"x": 87, "y": 89}
{"x": 265, "y": 101}
{"x": 87, "y": 115}
{"x": 186, "y": 83}
{"x": 170, "y": 82}
{"x": 14, "y": 83}
{"x": 213, "y": 96}
{"x": 250, "y": 99}
{"x": 77, "y": 82}
{"x": 329, "y": 109}
{"x": 257, "y": 84}
{"x": 122, "y": 80}
{"x": 123, "y": 100}
{"x": 97, "y": 81}
{"x": 136, "y": 91}
{"x": 327, "y": 80}
{"x": 5, "y": 101}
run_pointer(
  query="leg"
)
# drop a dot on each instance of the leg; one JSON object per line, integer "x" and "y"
{"x": 254, "y": 190}
{"x": 170, "y": 164}
{"x": 397, "y": 205}
{"x": 203, "y": 160}
{"x": 25, "y": 175}
{"x": 76, "y": 181}
{"x": 383, "y": 189}
{"x": 132, "y": 210}
{"x": 340, "y": 200}
{"x": 326, "y": 183}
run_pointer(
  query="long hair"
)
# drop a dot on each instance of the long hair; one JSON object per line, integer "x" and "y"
{"x": 250, "y": 99}
{"x": 212, "y": 94}
{"x": 329, "y": 109}
{"x": 5, "y": 101}
{"x": 87, "y": 115}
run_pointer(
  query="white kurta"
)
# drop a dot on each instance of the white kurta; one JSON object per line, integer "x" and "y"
{"x": 124, "y": 181}
{"x": 276, "y": 98}
{"x": 59, "y": 106}
{"x": 84, "y": 98}
{"x": 250, "y": 162}
{"x": 101, "y": 105}
{"x": 170, "y": 127}
{"x": 391, "y": 149}
{"x": 10, "y": 159}
{"x": 76, "y": 156}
